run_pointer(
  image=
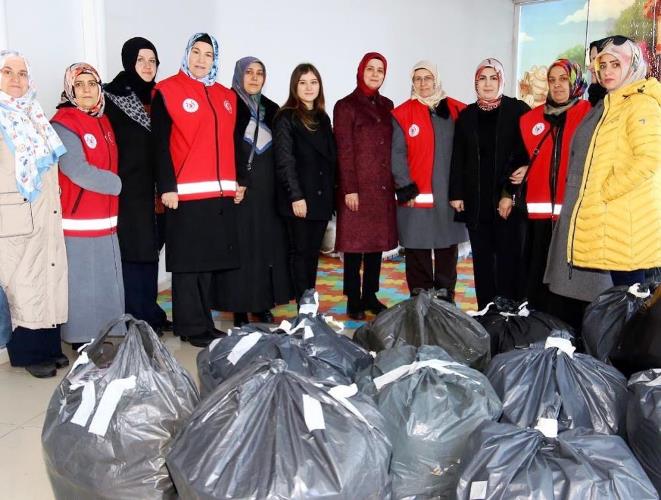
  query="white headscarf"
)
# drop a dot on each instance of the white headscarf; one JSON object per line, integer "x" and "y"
{"x": 438, "y": 95}
{"x": 631, "y": 61}
{"x": 28, "y": 134}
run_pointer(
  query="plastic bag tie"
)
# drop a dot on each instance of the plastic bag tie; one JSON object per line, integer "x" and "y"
{"x": 404, "y": 370}
{"x": 548, "y": 427}
{"x": 636, "y": 292}
{"x": 561, "y": 344}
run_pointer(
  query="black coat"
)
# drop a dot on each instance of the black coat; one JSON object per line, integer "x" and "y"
{"x": 305, "y": 165}
{"x": 136, "y": 222}
{"x": 465, "y": 170}
{"x": 263, "y": 278}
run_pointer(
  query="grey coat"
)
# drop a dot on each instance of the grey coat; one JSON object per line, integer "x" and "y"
{"x": 584, "y": 284}
{"x": 428, "y": 227}
{"x": 96, "y": 287}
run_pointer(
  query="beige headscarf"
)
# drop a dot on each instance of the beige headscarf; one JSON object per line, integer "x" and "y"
{"x": 631, "y": 60}
{"x": 438, "y": 95}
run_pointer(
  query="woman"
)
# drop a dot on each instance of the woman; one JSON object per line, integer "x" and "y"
{"x": 33, "y": 266}
{"x": 90, "y": 185}
{"x": 366, "y": 224}
{"x": 596, "y": 92}
{"x": 128, "y": 106}
{"x": 305, "y": 164}
{"x": 485, "y": 142}
{"x": 616, "y": 223}
{"x": 193, "y": 121}
{"x": 547, "y": 132}
{"x": 423, "y": 133}
{"x": 263, "y": 279}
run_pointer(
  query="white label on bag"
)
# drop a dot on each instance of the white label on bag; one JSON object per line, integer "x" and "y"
{"x": 635, "y": 291}
{"x": 481, "y": 312}
{"x": 313, "y": 414}
{"x": 243, "y": 346}
{"x": 310, "y": 308}
{"x": 284, "y": 326}
{"x": 82, "y": 347}
{"x": 404, "y": 370}
{"x": 86, "y": 407}
{"x": 563, "y": 345}
{"x": 478, "y": 490}
{"x": 213, "y": 344}
{"x": 341, "y": 393}
{"x": 654, "y": 383}
{"x": 83, "y": 359}
{"x": 335, "y": 324}
{"x": 108, "y": 404}
{"x": 307, "y": 333}
{"x": 548, "y": 427}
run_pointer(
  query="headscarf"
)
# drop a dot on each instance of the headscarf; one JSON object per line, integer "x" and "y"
{"x": 438, "y": 95}
{"x": 489, "y": 104}
{"x": 210, "y": 78}
{"x": 577, "y": 86}
{"x": 28, "y": 134}
{"x": 631, "y": 60}
{"x": 130, "y": 51}
{"x": 128, "y": 91}
{"x": 595, "y": 91}
{"x": 360, "y": 74}
{"x": 264, "y": 135}
{"x": 68, "y": 95}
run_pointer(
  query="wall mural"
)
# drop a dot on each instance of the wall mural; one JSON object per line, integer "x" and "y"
{"x": 565, "y": 28}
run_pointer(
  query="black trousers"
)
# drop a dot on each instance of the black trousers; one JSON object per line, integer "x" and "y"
{"x": 191, "y": 304}
{"x": 305, "y": 237}
{"x": 30, "y": 347}
{"x": 422, "y": 273}
{"x": 141, "y": 291}
{"x": 371, "y": 263}
{"x": 497, "y": 249}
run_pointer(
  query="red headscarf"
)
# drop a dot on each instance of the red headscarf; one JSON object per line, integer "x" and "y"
{"x": 360, "y": 75}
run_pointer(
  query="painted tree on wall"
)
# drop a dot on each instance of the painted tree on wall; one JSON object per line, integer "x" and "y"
{"x": 576, "y": 54}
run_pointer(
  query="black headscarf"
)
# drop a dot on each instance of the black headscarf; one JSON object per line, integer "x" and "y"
{"x": 595, "y": 91}
{"x": 129, "y": 80}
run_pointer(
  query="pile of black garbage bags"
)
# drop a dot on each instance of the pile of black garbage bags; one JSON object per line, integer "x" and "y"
{"x": 425, "y": 402}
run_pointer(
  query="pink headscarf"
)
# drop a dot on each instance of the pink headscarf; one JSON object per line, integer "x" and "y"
{"x": 631, "y": 61}
{"x": 495, "y": 64}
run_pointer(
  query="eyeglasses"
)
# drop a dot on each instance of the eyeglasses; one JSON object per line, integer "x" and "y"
{"x": 423, "y": 79}
{"x": 8, "y": 73}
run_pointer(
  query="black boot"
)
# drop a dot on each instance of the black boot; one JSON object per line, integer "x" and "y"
{"x": 42, "y": 370}
{"x": 355, "y": 309}
{"x": 241, "y": 319}
{"x": 264, "y": 316}
{"x": 373, "y": 305}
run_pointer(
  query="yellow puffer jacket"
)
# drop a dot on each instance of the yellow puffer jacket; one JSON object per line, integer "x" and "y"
{"x": 616, "y": 224}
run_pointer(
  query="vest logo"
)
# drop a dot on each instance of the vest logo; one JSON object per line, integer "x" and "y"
{"x": 90, "y": 140}
{"x": 538, "y": 128}
{"x": 190, "y": 105}
{"x": 228, "y": 106}
{"x": 414, "y": 130}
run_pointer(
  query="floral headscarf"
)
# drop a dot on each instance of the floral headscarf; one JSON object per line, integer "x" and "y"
{"x": 438, "y": 95}
{"x": 28, "y": 134}
{"x": 68, "y": 95}
{"x": 210, "y": 78}
{"x": 631, "y": 60}
{"x": 577, "y": 83}
{"x": 496, "y": 65}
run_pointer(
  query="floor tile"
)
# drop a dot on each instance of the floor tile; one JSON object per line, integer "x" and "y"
{"x": 23, "y": 396}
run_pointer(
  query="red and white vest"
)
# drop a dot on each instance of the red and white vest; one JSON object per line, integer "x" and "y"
{"x": 537, "y": 134}
{"x": 415, "y": 120}
{"x": 87, "y": 213}
{"x": 202, "y": 137}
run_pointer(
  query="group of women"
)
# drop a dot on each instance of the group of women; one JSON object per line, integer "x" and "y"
{"x": 559, "y": 202}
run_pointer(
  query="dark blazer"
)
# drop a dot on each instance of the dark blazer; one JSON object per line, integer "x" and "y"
{"x": 465, "y": 169}
{"x": 305, "y": 164}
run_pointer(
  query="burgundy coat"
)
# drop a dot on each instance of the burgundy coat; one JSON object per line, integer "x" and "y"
{"x": 363, "y": 133}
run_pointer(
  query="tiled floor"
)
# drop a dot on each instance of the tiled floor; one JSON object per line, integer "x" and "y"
{"x": 23, "y": 403}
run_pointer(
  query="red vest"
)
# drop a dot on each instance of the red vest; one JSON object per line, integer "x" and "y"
{"x": 415, "y": 120}
{"x": 87, "y": 213}
{"x": 202, "y": 137}
{"x": 537, "y": 133}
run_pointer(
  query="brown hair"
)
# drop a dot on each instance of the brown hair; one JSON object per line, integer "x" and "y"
{"x": 309, "y": 118}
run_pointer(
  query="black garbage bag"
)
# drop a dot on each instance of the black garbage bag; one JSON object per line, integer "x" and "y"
{"x": 584, "y": 391}
{"x": 644, "y": 422}
{"x": 605, "y": 317}
{"x": 512, "y": 326}
{"x": 502, "y": 461}
{"x": 268, "y": 432}
{"x": 426, "y": 319}
{"x": 112, "y": 419}
{"x": 225, "y": 357}
{"x": 639, "y": 345}
{"x": 431, "y": 404}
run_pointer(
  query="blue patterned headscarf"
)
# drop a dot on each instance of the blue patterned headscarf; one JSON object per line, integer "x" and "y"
{"x": 210, "y": 78}
{"x": 264, "y": 136}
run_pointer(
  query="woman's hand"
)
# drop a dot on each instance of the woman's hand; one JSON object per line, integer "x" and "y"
{"x": 411, "y": 203}
{"x": 351, "y": 201}
{"x": 458, "y": 205}
{"x": 505, "y": 207}
{"x": 240, "y": 193}
{"x": 518, "y": 175}
{"x": 170, "y": 200}
{"x": 300, "y": 208}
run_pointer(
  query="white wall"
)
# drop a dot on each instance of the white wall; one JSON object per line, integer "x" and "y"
{"x": 333, "y": 35}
